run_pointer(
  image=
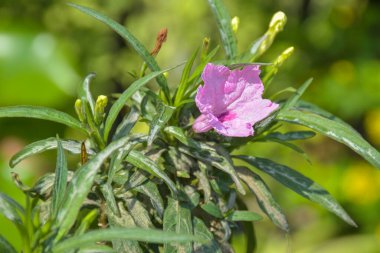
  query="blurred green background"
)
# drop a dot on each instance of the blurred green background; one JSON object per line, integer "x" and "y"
{"x": 47, "y": 48}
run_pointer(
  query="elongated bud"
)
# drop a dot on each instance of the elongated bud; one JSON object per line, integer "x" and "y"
{"x": 283, "y": 56}
{"x": 278, "y": 22}
{"x": 161, "y": 38}
{"x": 235, "y": 24}
{"x": 205, "y": 47}
{"x": 79, "y": 110}
{"x": 100, "y": 105}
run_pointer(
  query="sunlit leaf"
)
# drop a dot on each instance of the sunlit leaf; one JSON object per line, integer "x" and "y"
{"x": 5, "y": 246}
{"x": 10, "y": 209}
{"x": 60, "y": 181}
{"x": 264, "y": 197}
{"x": 127, "y": 123}
{"x": 132, "y": 41}
{"x": 136, "y": 234}
{"x": 145, "y": 163}
{"x": 201, "y": 229}
{"x": 336, "y": 130}
{"x": 212, "y": 209}
{"x": 177, "y": 218}
{"x": 244, "y": 216}
{"x": 164, "y": 113}
{"x": 39, "y": 112}
{"x": 37, "y": 147}
{"x": 300, "y": 184}
{"x": 223, "y": 20}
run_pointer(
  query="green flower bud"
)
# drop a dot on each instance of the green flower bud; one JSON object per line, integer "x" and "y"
{"x": 235, "y": 24}
{"x": 100, "y": 105}
{"x": 278, "y": 22}
{"x": 80, "y": 110}
{"x": 166, "y": 74}
{"x": 283, "y": 56}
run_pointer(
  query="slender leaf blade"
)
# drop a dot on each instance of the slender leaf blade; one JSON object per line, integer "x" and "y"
{"x": 223, "y": 20}
{"x": 300, "y": 184}
{"x": 177, "y": 218}
{"x": 297, "y": 95}
{"x": 201, "y": 229}
{"x": 11, "y": 209}
{"x": 5, "y": 246}
{"x": 164, "y": 113}
{"x": 336, "y": 130}
{"x": 39, "y": 112}
{"x": 145, "y": 163}
{"x": 47, "y": 144}
{"x": 244, "y": 216}
{"x": 60, "y": 180}
{"x": 120, "y": 102}
{"x": 132, "y": 41}
{"x": 264, "y": 197}
{"x": 135, "y": 234}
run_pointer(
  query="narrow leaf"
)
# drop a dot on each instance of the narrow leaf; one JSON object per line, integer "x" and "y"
{"x": 136, "y": 234}
{"x": 81, "y": 184}
{"x": 11, "y": 209}
{"x": 39, "y": 112}
{"x": 5, "y": 246}
{"x": 86, "y": 93}
{"x": 336, "y": 130}
{"x": 212, "y": 209}
{"x": 141, "y": 161}
{"x": 47, "y": 144}
{"x": 223, "y": 20}
{"x": 264, "y": 197}
{"x": 201, "y": 229}
{"x": 132, "y": 41}
{"x": 120, "y": 102}
{"x": 183, "y": 84}
{"x": 244, "y": 216}
{"x": 150, "y": 189}
{"x": 300, "y": 184}
{"x": 177, "y": 218}
{"x": 297, "y": 95}
{"x": 207, "y": 154}
{"x": 60, "y": 180}
{"x": 164, "y": 113}
{"x": 127, "y": 123}
{"x": 290, "y": 136}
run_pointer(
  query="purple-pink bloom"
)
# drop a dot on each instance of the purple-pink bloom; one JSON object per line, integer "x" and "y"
{"x": 230, "y": 101}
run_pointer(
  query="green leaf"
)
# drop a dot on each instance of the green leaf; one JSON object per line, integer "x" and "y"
{"x": 300, "y": 184}
{"x": 138, "y": 212}
{"x": 206, "y": 154}
{"x": 164, "y": 113}
{"x": 127, "y": 123}
{"x": 5, "y": 246}
{"x": 141, "y": 161}
{"x": 11, "y": 209}
{"x": 86, "y": 93}
{"x": 97, "y": 249}
{"x": 201, "y": 229}
{"x": 39, "y": 112}
{"x": 150, "y": 189}
{"x": 290, "y": 136}
{"x": 86, "y": 222}
{"x": 120, "y": 102}
{"x": 60, "y": 181}
{"x": 336, "y": 130}
{"x": 177, "y": 218}
{"x": 81, "y": 184}
{"x": 244, "y": 216}
{"x": 47, "y": 144}
{"x": 212, "y": 209}
{"x": 297, "y": 95}
{"x": 136, "y": 234}
{"x": 133, "y": 42}
{"x": 264, "y": 197}
{"x": 184, "y": 83}
{"x": 223, "y": 20}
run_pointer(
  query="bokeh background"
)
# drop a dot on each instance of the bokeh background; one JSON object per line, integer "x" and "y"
{"x": 47, "y": 48}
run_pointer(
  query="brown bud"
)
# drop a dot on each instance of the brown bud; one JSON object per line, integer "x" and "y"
{"x": 161, "y": 38}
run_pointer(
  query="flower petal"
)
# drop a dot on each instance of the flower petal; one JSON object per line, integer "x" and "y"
{"x": 235, "y": 128}
{"x": 202, "y": 124}
{"x": 209, "y": 98}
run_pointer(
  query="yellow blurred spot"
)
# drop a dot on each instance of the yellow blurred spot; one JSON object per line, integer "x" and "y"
{"x": 343, "y": 72}
{"x": 372, "y": 125}
{"x": 235, "y": 24}
{"x": 361, "y": 183}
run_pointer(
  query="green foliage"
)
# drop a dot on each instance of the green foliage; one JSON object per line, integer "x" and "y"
{"x": 169, "y": 190}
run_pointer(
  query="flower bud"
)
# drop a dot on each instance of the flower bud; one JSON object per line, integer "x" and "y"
{"x": 283, "y": 56}
{"x": 278, "y": 22}
{"x": 100, "y": 105}
{"x": 166, "y": 74}
{"x": 235, "y": 24}
{"x": 79, "y": 110}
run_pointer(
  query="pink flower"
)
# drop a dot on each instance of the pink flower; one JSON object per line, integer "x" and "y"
{"x": 231, "y": 101}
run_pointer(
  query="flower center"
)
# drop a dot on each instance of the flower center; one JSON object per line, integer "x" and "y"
{"x": 226, "y": 116}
